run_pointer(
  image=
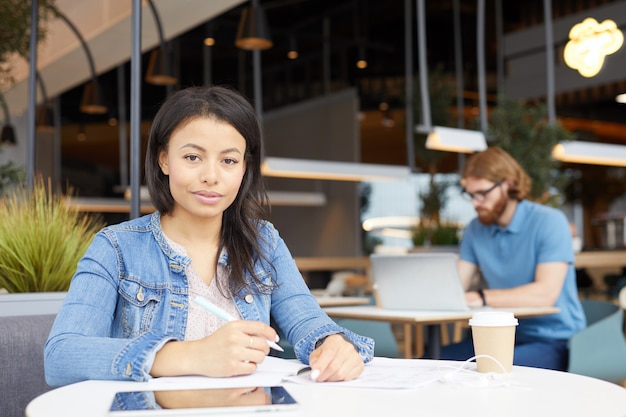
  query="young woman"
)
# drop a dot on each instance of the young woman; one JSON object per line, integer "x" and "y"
{"x": 129, "y": 313}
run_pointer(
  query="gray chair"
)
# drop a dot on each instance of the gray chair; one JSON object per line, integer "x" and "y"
{"x": 599, "y": 350}
{"x": 21, "y": 361}
{"x": 382, "y": 333}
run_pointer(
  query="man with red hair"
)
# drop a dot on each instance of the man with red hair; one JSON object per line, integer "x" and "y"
{"x": 523, "y": 250}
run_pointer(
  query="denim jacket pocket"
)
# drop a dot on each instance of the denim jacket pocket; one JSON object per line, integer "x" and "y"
{"x": 137, "y": 304}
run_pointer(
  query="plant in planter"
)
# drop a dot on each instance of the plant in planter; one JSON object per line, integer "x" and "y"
{"x": 430, "y": 230}
{"x": 41, "y": 239}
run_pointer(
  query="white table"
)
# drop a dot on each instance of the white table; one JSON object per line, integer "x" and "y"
{"x": 532, "y": 392}
{"x": 432, "y": 319}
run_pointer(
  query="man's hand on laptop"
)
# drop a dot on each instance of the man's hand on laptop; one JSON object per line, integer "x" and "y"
{"x": 474, "y": 299}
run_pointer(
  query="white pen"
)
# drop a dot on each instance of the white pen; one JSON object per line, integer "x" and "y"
{"x": 209, "y": 306}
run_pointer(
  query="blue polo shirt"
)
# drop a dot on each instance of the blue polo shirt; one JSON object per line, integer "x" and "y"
{"x": 507, "y": 258}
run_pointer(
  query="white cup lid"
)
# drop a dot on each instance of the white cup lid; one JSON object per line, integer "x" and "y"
{"x": 493, "y": 318}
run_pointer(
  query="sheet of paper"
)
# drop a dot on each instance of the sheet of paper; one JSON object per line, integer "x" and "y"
{"x": 386, "y": 373}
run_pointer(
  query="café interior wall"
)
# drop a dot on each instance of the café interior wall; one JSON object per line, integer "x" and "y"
{"x": 324, "y": 129}
{"x": 44, "y": 162}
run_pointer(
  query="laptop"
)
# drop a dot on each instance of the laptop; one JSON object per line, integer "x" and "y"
{"x": 418, "y": 281}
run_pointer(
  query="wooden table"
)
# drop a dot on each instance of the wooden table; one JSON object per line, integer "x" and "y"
{"x": 584, "y": 259}
{"x": 328, "y": 301}
{"x": 432, "y": 319}
{"x": 332, "y": 263}
{"x": 601, "y": 259}
{"x": 106, "y": 205}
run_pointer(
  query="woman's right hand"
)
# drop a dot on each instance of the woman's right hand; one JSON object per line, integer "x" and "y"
{"x": 234, "y": 349}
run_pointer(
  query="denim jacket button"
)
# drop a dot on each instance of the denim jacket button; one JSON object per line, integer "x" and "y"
{"x": 249, "y": 299}
{"x": 139, "y": 295}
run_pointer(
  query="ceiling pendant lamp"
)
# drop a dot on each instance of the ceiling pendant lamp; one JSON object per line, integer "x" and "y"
{"x": 159, "y": 70}
{"x": 253, "y": 32}
{"x": 91, "y": 102}
{"x": 44, "y": 120}
{"x": 8, "y": 131}
{"x": 594, "y": 153}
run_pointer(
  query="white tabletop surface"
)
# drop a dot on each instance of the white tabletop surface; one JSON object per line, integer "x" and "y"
{"x": 441, "y": 389}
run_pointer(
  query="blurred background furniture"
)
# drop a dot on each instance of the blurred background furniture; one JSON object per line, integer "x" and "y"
{"x": 614, "y": 283}
{"x": 599, "y": 350}
{"x": 21, "y": 361}
{"x": 385, "y": 341}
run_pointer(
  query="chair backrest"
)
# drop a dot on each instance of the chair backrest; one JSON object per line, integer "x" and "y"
{"x": 622, "y": 302}
{"x": 622, "y": 298}
{"x": 599, "y": 350}
{"x": 21, "y": 361}
{"x": 596, "y": 310}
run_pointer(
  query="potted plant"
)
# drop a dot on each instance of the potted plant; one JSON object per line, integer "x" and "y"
{"x": 431, "y": 230}
{"x": 42, "y": 239}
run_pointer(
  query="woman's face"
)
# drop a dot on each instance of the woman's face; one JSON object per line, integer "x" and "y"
{"x": 205, "y": 164}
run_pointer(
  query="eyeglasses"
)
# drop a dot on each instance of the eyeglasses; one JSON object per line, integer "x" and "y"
{"x": 479, "y": 196}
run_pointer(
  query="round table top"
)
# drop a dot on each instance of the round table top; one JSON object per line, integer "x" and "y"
{"x": 525, "y": 392}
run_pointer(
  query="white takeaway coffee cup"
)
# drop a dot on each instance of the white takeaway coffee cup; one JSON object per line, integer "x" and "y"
{"x": 493, "y": 333}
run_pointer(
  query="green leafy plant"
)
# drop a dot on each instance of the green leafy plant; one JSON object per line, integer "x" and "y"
{"x": 438, "y": 235}
{"x": 524, "y": 132}
{"x": 15, "y": 31}
{"x": 11, "y": 175}
{"x": 42, "y": 239}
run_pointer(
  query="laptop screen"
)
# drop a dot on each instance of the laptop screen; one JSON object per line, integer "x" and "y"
{"x": 418, "y": 281}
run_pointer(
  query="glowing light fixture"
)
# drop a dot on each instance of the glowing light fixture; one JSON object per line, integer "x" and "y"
{"x": 296, "y": 198}
{"x": 590, "y": 42}
{"x": 8, "y": 131}
{"x": 292, "y": 53}
{"x": 91, "y": 101}
{"x": 253, "y": 31}
{"x": 361, "y": 62}
{"x": 44, "y": 119}
{"x": 396, "y": 222}
{"x": 332, "y": 170}
{"x": 456, "y": 140}
{"x": 159, "y": 71}
{"x": 590, "y": 153}
{"x": 209, "y": 38}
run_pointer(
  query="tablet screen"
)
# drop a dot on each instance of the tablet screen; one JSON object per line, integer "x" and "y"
{"x": 201, "y": 401}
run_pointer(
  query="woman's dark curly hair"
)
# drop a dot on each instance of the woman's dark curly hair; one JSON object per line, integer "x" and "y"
{"x": 240, "y": 231}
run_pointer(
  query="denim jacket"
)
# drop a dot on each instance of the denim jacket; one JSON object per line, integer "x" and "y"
{"x": 129, "y": 296}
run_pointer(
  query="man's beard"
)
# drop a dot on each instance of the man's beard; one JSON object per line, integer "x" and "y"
{"x": 489, "y": 217}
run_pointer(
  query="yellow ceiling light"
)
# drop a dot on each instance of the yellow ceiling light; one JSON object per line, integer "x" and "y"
{"x": 332, "y": 170}
{"x": 396, "y": 222}
{"x": 590, "y": 42}
{"x": 456, "y": 140}
{"x": 593, "y": 153}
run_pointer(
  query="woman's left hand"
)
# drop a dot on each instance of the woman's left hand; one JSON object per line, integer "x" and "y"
{"x": 335, "y": 360}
